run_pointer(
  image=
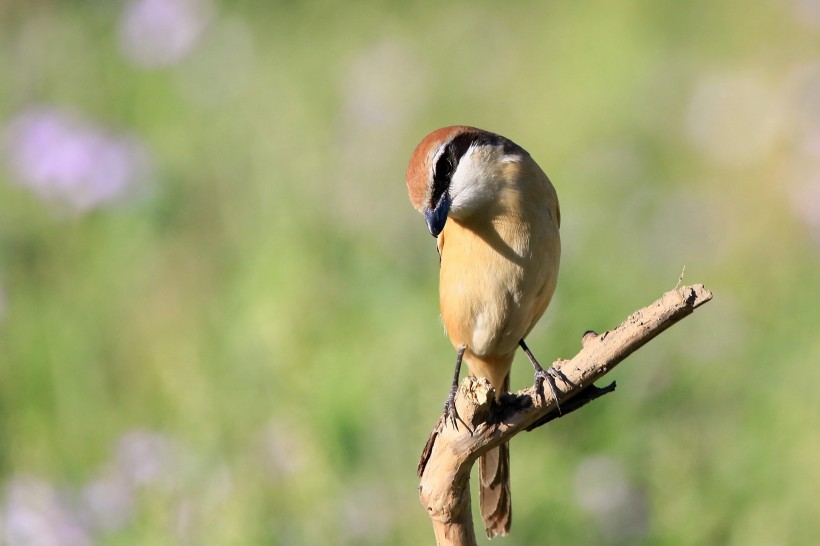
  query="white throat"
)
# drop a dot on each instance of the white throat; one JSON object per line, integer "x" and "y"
{"x": 479, "y": 179}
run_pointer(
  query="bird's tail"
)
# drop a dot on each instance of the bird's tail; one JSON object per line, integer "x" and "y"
{"x": 494, "y": 486}
{"x": 494, "y": 490}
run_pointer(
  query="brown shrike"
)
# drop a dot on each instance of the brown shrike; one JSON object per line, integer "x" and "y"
{"x": 495, "y": 216}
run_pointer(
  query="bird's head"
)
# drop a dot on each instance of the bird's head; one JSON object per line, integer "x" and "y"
{"x": 456, "y": 171}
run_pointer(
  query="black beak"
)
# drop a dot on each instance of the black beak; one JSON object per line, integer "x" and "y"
{"x": 437, "y": 217}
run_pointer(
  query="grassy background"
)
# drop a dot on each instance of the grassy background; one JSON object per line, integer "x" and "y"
{"x": 246, "y": 348}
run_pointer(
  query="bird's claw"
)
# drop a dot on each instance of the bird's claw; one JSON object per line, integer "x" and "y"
{"x": 549, "y": 375}
{"x": 451, "y": 415}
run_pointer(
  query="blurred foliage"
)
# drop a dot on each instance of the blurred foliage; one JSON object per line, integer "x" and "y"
{"x": 243, "y": 346}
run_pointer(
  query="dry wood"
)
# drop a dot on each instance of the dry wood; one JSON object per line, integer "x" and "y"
{"x": 449, "y": 455}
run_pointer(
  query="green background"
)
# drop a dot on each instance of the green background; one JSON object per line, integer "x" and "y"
{"x": 259, "y": 325}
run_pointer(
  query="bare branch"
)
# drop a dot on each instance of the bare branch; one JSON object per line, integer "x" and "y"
{"x": 449, "y": 454}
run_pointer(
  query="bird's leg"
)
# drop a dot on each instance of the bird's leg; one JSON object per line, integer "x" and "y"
{"x": 549, "y": 375}
{"x": 450, "y": 405}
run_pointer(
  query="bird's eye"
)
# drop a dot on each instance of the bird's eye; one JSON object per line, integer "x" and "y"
{"x": 444, "y": 168}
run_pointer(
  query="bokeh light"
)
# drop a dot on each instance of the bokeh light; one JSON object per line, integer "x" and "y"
{"x": 73, "y": 162}
{"x": 157, "y": 33}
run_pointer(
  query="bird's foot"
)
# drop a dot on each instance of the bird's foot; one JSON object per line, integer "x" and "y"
{"x": 549, "y": 376}
{"x": 450, "y": 413}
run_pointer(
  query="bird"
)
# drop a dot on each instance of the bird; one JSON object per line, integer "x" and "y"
{"x": 496, "y": 219}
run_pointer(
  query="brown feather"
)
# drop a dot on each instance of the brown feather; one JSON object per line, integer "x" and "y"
{"x": 421, "y": 164}
{"x": 494, "y": 499}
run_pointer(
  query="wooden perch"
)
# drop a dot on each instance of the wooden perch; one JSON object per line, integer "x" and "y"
{"x": 449, "y": 455}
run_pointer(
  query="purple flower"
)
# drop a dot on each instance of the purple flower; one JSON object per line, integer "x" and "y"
{"x": 109, "y": 501}
{"x": 157, "y": 33}
{"x": 33, "y": 514}
{"x": 145, "y": 457}
{"x": 64, "y": 159}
